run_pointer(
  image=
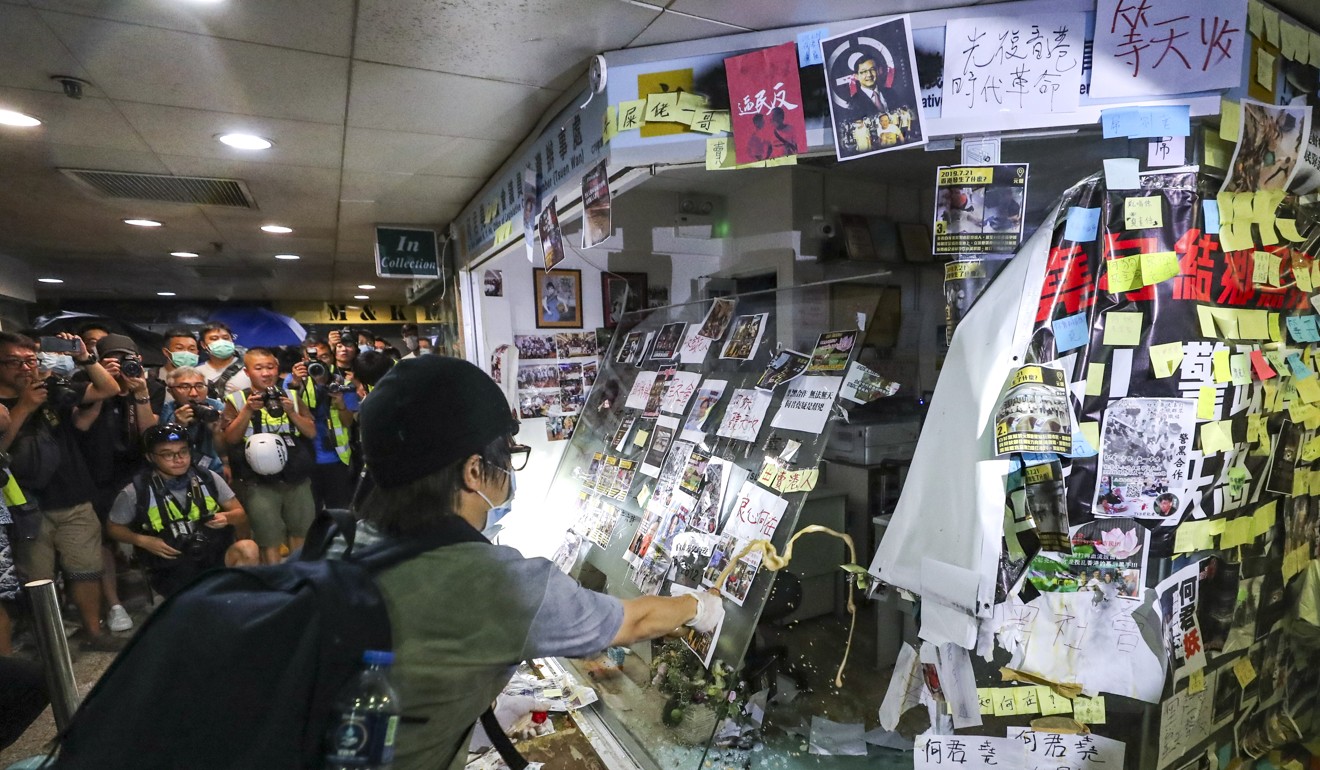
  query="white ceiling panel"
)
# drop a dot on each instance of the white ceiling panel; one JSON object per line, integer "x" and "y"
{"x": 672, "y": 28}
{"x": 189, "y": 132}
{"x": 142, "y": 64}
{"x": 87, "y": 122}
{"x": 757, "y": 14}
{"x": 30, "y": 53}
{"x": 407, "y": 152}
{"x": 513, "y": 40}
{"x": 419, "y": 189}
{"x": 100, "y": 159}
{"x": 421, "y": 101}
{"x": 322, "y": 26}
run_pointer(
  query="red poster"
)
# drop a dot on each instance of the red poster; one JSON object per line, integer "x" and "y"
{"x": 765, "y": 104}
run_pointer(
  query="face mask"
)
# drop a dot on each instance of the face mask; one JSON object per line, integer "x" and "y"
{"x": 56, "y": 363}
{"x": 498, "y": 512}
{"x": 221, "y": 349}
{"x": 366, "y": 348}
{"x": 425, "y": 352}
{"x": 410, "y": 343}
{"x": 183, "y": 358}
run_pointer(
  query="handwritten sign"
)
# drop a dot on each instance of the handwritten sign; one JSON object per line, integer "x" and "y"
{"x": 679, "y": 391}
{"x": 1185, "y": 721}
{"x": 755, "y": 515}
{"x": 1145, "y": 47}
{"x": 1046, "y": 751}
{"x": 1182, "y": 631}
{"x": 745, "y": 414}
{"x": 968, "y": 752}
{"x": 807, "y": 403}
{"x": 1005, "y": 66}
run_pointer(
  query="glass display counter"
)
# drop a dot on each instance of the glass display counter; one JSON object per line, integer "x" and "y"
{"x": 699, "y": 446}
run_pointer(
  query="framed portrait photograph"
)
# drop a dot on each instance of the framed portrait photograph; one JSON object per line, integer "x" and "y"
{"x": 621, "y": 293}
{"x": 558, "y": 298}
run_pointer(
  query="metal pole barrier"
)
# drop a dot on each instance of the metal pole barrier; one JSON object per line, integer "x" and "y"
{"x": 54, "y": 651}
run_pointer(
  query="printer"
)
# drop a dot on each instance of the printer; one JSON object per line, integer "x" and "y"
{"x": 885, "y": 429}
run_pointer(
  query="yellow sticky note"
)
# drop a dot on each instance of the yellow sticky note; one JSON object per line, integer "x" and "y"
{"x": 1220, "y": 360}
{"x": 1205, "y": 403}
{"x": 1288, "y": 229}
{"x": 719, "y": 153}
{"x": 1265, "y": 69}
{"x": 1302, "y": 275}
{"x": 611, "y": 127}
{"x": 1193, "y": 536}
{"x": 641, "y": 437}
{"x": 1124, "y": 273}
{"x": 1051, "y": 702}
{"x": 631, "y": 115}
{"x": 986, "y": 695}
{"x": 1005, "y": 703}
{"x": 1095, "y": 381}
{"x": 1091, "y": 431}
{"x": 1205, "y": 314}
{"x": 1165, "y": 359}
{"x": 1235, "y": 237}
{"x": 1308, "y": 389}
{"x": 1263, "y": 519}
{"x": 1311, "y": 450}
{"x": 1239, "y": 367}
{"x": 504, "y": 232}
{"x": 1227, "y": 206}
{"x": 1271, "y": 21}
{"x": 1217, "y": 152}
{"x": 1244, "y": 671}
{"x": 1226, "y": 322}
{"x": 1195, "y": 682}
{"x": 1216, "y": 436}
{"x": 1025, "y": 700}
{"x": 1253, "y": 324}
{"x": 1143, "y": 213}
{"x": 1276, "y": 327}
{"x": 1160, "y": 266}
{"x": 662, "y": 108}
{"x": 1123, "y": 328}
{"x": 688, "y": 104}
{"x": 1260, "y": 268}
{"x": 1230, "y": 115}
{"x": 783, "y": 160}
{"x": 1236, "y": 532}
{"x": 709, "y": 121}
{"x": 1244, "y": 208}
{"x": 1089, "y": 711}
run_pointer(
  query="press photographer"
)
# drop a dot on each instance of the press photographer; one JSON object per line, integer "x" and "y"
{"x": 179, "y": 518}
{"x": 199, "y": 415}
{"x": 332, "y": 404}
{"x": 268, "y": 442}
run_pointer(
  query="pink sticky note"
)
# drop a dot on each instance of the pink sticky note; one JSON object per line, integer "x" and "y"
{"x": 1263, "y": 369}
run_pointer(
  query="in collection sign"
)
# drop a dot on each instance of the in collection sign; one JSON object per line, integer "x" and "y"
{"x": 407, "y": 253}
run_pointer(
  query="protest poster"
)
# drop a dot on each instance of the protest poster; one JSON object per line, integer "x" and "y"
{"x": 1177, "y": 602}
{"x": 708, "y": 395}
{"x": 755, "y": 516}
{"x": 1108, "y": 561}
{"x": 870, "y": 75}
{"x": 1145, "y": 447}
{"x": 1272, "y": 141}
{"x": 1167, "y": 47}
{"x": 765, "y": 104}
{"x": 552, "y": 238}
{"x": 979, "y": 209}
{"x": 667, "y": 341}
{"x": 807, "y": 403}
{"x": 998, "y": 69}
{"x": 832, "y": 351}
{"x": 964, "y": 280}
{"x": 862, "y": 386}
{"x": 1034, "y": 414}
{"x": 746, "y": 336}
{"x": 744, "y": 414}
{"x": 782, "y": 368}
{"x": 597, "y": 216}
{"x": 717, "y": 318}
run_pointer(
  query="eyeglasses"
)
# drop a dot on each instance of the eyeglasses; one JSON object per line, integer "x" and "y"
{"x": 19, "y": 363}
{"x": 178, "y": 454}
{"x": 518, "y": 454}
{"x": 868, "y": 71}
{"x": 189, "y": 385}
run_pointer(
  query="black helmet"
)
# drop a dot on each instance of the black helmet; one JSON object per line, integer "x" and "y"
{"x": 163, "y": 434}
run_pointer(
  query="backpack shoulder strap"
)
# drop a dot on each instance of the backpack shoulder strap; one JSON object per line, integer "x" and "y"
{"x": 142, "y": 491}
{"x": 450, "y": 531}
{"x": 228, "y": 374}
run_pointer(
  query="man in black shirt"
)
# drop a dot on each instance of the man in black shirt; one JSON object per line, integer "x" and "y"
{"x": 48, "y": 464}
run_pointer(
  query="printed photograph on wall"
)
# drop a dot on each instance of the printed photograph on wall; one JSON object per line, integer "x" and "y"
{"x": 871, "y": 77}
{"x": 558, "y": 298}
{"x": 621, "y": 293}
{"x": 597, "y": 215}
{"x": 552, "y": 238}
{"x": 493, "y": 283}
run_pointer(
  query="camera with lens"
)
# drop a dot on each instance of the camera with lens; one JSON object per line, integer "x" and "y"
{"x": 199, "y": 545}
{"x": 131, "y": 366}
{"x": 316, "y": 369}
{"x": 338, "y": 386}
{"x": 270, "y": 398}
{"x": 205, "y": 413}
{"x": 60, "y": 392}
{"x": 347, "y": 336}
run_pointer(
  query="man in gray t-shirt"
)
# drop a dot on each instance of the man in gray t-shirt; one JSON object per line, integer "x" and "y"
{"x": 437, "y": 435}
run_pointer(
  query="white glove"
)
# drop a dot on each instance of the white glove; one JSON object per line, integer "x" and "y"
{"x": 514, "y": 713}
{"x": 710, "y": 612}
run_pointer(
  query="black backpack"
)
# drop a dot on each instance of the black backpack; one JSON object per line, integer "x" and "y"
{"x": 239, "y": 669}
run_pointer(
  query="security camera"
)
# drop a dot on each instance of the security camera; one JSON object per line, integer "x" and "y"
{"x": 825, "y": 229}
{"x": 73, "y": 87}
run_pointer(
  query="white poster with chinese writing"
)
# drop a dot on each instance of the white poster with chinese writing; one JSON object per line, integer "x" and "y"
{"x": 744, "y": 415}
{"x": 1148, "y": 47}
{"x": 694, "y": 348}
{"x": 807, "y": 403}
{"x": 1182, "y": 631}
{"x": 1001, "y": 67}
{"x": 755, "y": 516}
{"x": 679, "y": 391}
{"x": 1145, "y": 454}
{"x": 641, "y": 390}
{"x": 1062, "y": 751}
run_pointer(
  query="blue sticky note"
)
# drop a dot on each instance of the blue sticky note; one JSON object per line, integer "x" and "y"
{"x": 1080, "y": 446}
{"x": 808, "y": 45}
{"x": 1299, "y": 369}
{"x": 1071, "y": 332}
{"x": 1303, "y": 328}
{"x": 1211, "y": 209}
{"x": 1147, "y": 122}
{"x": 1082, "y": 224}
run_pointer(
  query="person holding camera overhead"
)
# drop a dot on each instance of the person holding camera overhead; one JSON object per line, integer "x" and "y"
{"x": 50, "y": 469}
{"x": 332, "y": 403}
{"x": 179, "y": 517}
{"x": 267, "y": 438}
{"x": 199, "y": 415}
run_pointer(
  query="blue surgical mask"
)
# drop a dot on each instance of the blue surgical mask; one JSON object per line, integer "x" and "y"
{"x": 498, "y": 512}
{"x": 366, "y": 348}
{"x": 56, "y": 363}
{"x": 221, "y": 349}
{"x": 183, "y": 358}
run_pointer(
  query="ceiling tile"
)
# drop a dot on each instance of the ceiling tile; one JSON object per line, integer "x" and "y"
{"x": 87, "y": 122}
{"x": 756, "y": 14}
{"x": 401, "y": 151}
{"x": 180, "y": 131}
{"x": 322, "y": 26}
{"x": 30, "y": 53}
{"x": 296, "y": 196}
{"x": 419, "y": 101}
{"x": 141, "y": 64}
{"x": 408, "y": 189}
{"x": 672, "y": 28}
{"x": 534, "y": 44}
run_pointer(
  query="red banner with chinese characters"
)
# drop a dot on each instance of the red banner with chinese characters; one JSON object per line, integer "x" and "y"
{"x": 765, "y": 104}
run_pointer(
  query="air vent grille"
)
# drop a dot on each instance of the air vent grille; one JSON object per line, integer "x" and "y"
{"x": 202, "y": 191}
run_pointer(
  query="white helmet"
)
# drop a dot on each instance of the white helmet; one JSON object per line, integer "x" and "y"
{"x": 266, "y": 453}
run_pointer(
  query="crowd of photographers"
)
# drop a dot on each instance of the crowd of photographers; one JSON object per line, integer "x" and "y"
{"x": 220, "y": 457}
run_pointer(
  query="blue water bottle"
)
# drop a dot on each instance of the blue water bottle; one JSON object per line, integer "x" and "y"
{"x": 366, "y": 718}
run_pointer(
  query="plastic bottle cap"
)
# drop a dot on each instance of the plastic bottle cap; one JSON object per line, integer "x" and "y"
{"x": 378, "y": 657}
{"x": 538, "y": 717}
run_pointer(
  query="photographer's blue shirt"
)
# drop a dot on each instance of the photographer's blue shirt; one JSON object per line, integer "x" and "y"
{"x": 205, "y": 454}
{"x": 325, "y": 440}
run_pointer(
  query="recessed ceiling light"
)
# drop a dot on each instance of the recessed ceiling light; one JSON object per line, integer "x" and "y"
{"x": 164, "y": 294}
{"x": 50, "y": 280}
{"x": 281, "y": 229}
{"x": 12, "y": 118}
{"x": 245, "y": 141}
{"x": 142, "y": 222}
{"x": 287, "y": 256}
{"x": 366, "y": 286}
{"x": 360, "y": 296}
{"x": 184, "y": 254}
